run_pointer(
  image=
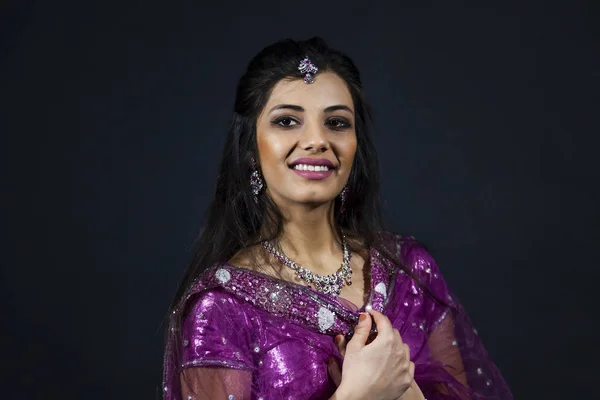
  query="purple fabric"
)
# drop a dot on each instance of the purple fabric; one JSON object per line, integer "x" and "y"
{"x": 251, "y": 336}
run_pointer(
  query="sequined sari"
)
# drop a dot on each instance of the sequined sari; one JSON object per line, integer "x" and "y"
{"x": 246, "y": 335}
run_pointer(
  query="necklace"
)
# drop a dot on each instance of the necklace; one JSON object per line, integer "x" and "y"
{"x": 328, "y": 284}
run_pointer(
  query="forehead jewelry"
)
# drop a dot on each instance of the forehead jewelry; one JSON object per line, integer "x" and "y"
{"x": 308, "y": 68}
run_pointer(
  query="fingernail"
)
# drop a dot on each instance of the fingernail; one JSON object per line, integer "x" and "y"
{"x": 338, "y": 339}
{"x": 363, "y": 317}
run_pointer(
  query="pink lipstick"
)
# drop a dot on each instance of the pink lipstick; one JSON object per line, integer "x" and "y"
{"x": 313, "y": 168}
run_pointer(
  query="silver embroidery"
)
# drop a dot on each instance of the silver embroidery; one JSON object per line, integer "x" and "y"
{"x": 381, "y": 289}
{"x": 223, "y": 275}
{"x": 215, "y": 363}
{"x": 275, "y": 299}
{"x": 326, "y": 319}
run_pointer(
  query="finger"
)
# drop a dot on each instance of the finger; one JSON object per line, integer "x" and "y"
{"x": 407, "y": 351}
{"x": 335, "y": 373}
{"x": 340, "y": 342}
{"x": 411, "y": 370}
{"x": 361, "y": 333}
{"x": 384, "y": 326}
{"x": 416, "y": 389}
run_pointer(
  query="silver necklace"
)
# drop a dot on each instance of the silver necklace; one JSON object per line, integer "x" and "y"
{"x": 328, "y": 284}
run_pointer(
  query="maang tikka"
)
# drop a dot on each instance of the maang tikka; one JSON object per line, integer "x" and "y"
{"x": 256, "y": 182}
{"x": 307, "y": 67}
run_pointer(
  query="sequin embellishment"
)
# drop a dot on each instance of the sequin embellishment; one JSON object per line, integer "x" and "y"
{"x": 275, "y": 299}
{"x": 381, "y": 289}
{"x": 223, "y": 275}
{"x": 326, "y": 318}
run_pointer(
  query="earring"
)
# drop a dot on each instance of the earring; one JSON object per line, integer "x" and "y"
{"x": 256, "y": 182}
{"x": 343, "y": 196}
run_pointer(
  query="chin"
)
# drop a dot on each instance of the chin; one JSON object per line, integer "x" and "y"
{"x": 312, "y": 199}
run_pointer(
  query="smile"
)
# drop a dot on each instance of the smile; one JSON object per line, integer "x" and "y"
{"x": 312, "y": 172}
{"x": 313, "y": 168}
{"x": 307, "y": 167}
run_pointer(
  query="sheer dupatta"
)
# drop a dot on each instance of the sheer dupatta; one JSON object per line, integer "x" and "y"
{"x": 453, "y": 363}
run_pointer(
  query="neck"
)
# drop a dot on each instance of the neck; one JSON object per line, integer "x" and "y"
{"x": 309, "y": 237}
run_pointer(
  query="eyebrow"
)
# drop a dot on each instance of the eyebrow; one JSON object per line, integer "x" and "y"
{"x": 300, "y": 109}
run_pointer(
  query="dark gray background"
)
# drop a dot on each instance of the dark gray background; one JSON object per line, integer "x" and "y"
{"x": 114, "y": 115}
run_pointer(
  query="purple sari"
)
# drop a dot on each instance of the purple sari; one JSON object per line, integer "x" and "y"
{"x": 246, "y": 335}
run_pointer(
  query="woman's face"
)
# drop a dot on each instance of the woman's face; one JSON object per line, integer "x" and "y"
{"x": 307, "y": 140}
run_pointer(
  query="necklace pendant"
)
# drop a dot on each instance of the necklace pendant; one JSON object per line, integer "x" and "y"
{"x": 336, "y": 290}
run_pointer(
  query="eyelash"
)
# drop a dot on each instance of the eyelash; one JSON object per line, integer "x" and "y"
{"x": 341, "y": 123}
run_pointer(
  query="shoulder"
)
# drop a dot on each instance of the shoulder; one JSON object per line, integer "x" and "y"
{"x": 211, "y": 305}
{"x": 215, "y": 332}
{"x": 216, "y": 313}
{"x": 210, "y": 294}
{"x": 411, "y": 254}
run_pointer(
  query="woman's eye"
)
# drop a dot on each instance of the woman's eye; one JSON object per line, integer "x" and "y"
{"x": 285, "y": 122}
{"x": 338, "y": 123}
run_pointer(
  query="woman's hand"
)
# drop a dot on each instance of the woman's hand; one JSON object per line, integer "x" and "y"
{"x": 379, "y": 370}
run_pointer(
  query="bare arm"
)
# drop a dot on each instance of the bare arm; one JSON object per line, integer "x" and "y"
{"x": 215, "y": 383}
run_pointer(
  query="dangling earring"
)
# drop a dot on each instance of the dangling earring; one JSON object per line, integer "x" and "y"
{"x": 343, "y": 196}
{"x": 256, "y": 182}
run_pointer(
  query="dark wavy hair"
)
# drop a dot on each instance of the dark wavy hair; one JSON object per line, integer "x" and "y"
{"x": 235, "y": 220}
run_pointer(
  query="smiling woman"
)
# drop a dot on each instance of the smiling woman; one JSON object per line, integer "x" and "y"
{"x": 307, "y": 126}
{"x": 296, "y": 291}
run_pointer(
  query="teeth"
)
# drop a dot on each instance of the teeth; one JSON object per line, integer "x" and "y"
{"x": 306, "y": 167}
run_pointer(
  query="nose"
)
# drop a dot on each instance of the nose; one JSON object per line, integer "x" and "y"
{"x": 314, "y": 139}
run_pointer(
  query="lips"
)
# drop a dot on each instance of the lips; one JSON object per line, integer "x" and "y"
{"x": 314, "y": 162}
{"x": 314, "y": 169}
